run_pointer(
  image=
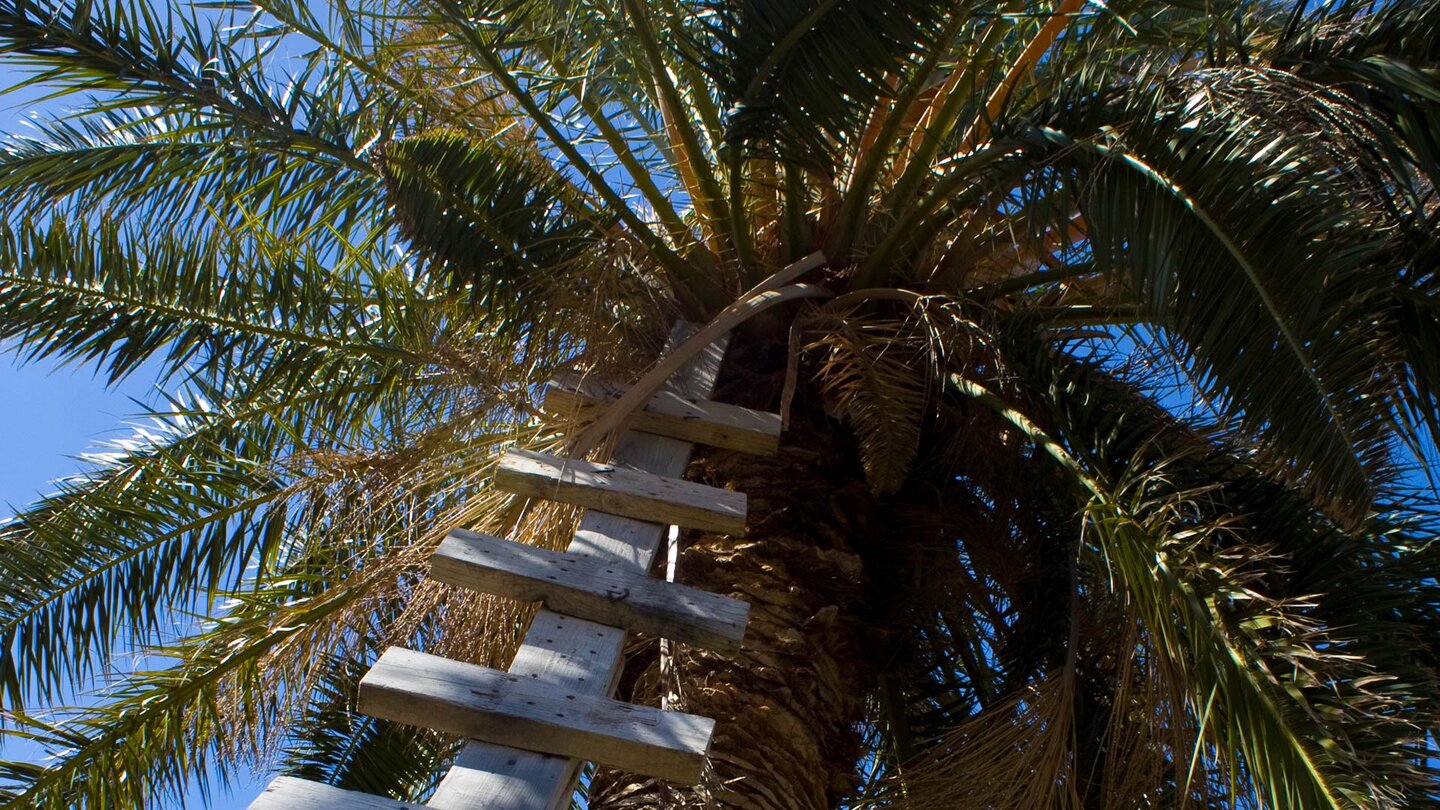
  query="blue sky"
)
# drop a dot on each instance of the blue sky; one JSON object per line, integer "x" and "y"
{"x": 51, "y": 414}
{"x": 48, "y": 415}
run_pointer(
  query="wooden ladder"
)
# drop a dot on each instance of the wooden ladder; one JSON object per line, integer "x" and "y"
{"x": 533, "y": 727}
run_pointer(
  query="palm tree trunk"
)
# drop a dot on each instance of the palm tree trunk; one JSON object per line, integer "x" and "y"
{"x": 789, "y": 703}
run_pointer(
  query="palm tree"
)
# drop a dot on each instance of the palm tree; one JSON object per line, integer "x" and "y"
{"x": 1106, "y": 381}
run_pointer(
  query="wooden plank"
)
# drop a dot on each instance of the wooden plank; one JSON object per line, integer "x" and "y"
{"x": 290, "y": 793}
{"x": 621, "y": 491}
{"x": 494, "y": 777}
{"x": 590, "y": 589}
{"x": 579, "y": 655}
{"x": 671, "y": 414}
{"x": 499, "y": 707}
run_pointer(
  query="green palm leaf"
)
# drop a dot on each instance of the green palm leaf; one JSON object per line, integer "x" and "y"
{"x": 176, "y": 516}
{"x": 334, "y": 744}
{"x": 166, "y": 60}
{"x": 160, "y": 730}
{"x": 1354, "y": 602}
{"x": 801, "y": 75}
{"x": 1100, "y": 450}
{"x": 98, "y": 292}
{"x": 487, "y": 216}
{"x": 1283, "y": 328}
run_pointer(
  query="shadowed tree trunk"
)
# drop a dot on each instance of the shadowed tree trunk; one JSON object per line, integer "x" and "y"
{"x": 789, "y": 703}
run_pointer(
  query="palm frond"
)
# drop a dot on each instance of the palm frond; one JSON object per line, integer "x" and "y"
{"x": 801, "y": 76}
{"x": 176, "y": 516}
{"x": 160, "y": 58}
{"x": 1249, "y": 660}
{"x": 161, "y": 169}
{"x": 250, "y": 674}
{"x": 878, "y": 373}
{"x": 1015, "y": 754}
{"x": 490, "y": 218}
{"x": 217, "y": 706}
{"x": 1345, "y": 611}
{"x": 1284, "y": 329}
{"x": 493, "y": 41}
{"x": 98, "y": 292}
{"x": 334, "y": 744}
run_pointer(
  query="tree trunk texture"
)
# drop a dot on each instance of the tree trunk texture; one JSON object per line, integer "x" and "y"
{"x": 789, "y": 704}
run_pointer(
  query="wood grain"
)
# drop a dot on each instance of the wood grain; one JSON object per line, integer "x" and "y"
{"x": 290, "y": 793}
{"x": 622, "y": 491}
{"x": 507, "y": 709}
{"x": 671, "y": 414}
{"x": 580, "y": 655}
{"x": 590, "y": 589}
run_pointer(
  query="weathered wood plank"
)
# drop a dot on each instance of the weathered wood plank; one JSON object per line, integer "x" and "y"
{"x": 580, "y": 655}
{"x": 590, "y": 589}
{"x": 621, "y": 491}
{"x": 289, "y": 793}
{"x": 671, "y": 414}
{"x": 506, "y": 709}
{"x": 495, "y": 777}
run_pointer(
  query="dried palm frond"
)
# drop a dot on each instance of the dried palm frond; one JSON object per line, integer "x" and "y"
{"x": 878, "y": 374}
{"x": 1017, "y": 754}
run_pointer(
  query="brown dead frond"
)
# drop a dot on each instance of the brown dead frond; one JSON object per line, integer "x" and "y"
{"x": 1016, "y": 755}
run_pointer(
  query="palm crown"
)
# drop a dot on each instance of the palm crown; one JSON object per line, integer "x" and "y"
{"x": 1121, "y": 318}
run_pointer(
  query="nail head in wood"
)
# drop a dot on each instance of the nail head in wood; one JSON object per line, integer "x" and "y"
{"x": 426, "y": 690}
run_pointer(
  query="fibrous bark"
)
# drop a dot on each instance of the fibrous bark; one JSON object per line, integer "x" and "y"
{"x": 789, "y": 703}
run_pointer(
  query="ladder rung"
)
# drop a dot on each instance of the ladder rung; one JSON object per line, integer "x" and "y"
{"x": 290, "y": 793}
{"x": 670, "y": 414}
{"x": 590, "y": 589}
{"x": 620, "y": 491}
{"x": 496, "y": 707}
